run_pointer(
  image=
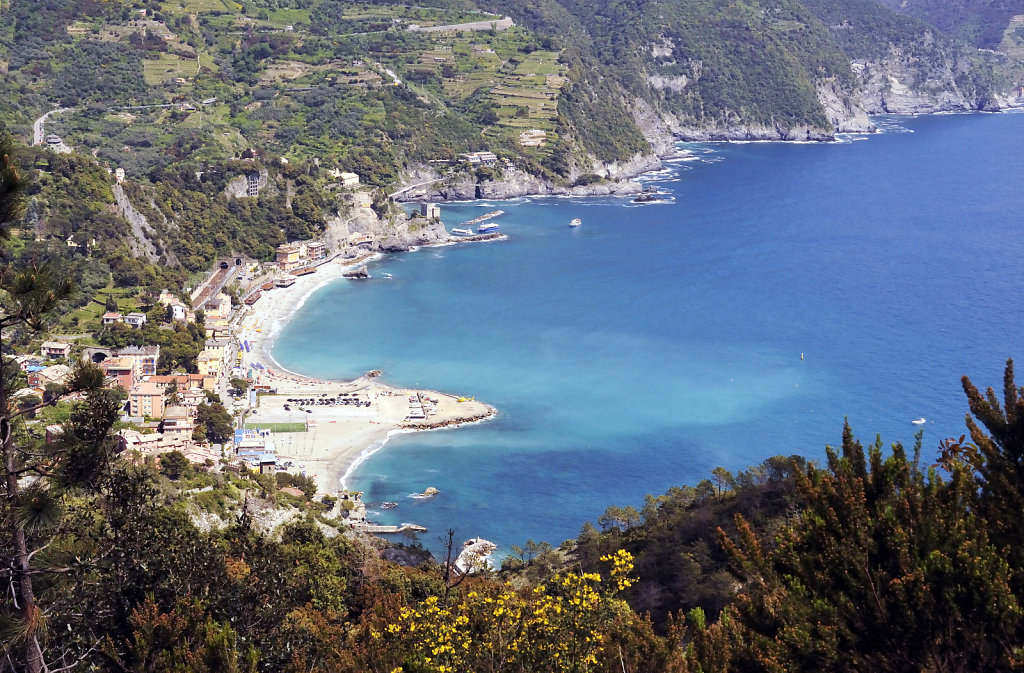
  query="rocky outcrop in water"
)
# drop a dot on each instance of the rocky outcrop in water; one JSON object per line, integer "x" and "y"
{"x": 360, "y": 272}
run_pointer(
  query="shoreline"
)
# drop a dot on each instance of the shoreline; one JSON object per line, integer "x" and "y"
{"x": 677, "y": 154}
{"x": 338, "y": 437}
{"x": 334, "y": 460}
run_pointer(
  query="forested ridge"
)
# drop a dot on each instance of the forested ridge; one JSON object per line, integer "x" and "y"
{"x": 979, "y": 22}
{"x": 185, "y": 96}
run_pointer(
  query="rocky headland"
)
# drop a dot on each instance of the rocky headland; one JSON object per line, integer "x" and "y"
{"x": 427, "y": 184}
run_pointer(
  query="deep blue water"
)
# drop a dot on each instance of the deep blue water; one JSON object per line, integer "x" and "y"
{"x": 657, "y": 341}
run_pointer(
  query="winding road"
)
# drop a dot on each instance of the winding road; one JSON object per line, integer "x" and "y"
{"x": 37, "y": 126}
{"x": 418, "y": 184}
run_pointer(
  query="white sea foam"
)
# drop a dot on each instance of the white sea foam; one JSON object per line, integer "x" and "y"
{"x": 377, "y": 446}
{"x": 365, "y": 455}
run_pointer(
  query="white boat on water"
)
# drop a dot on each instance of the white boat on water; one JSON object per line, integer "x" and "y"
{"x": 456, "y": 231}
{"x": 487, "y": 228}
{"x": 575, "y": 222}
{"x": 919, "y": 421}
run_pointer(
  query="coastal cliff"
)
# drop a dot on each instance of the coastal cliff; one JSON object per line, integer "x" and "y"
{"x": 611, "y": 180}
{"x": 391, "y": 231}
{"x": 901, "y": 83}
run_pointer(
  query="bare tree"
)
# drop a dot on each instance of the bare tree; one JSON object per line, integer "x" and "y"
{"x": 452, "y": 574}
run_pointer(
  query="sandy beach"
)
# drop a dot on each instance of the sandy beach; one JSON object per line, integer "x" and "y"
{"x": 345, "y": 421}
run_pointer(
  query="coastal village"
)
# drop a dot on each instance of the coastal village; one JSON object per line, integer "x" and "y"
{"x": 281, "y": 422}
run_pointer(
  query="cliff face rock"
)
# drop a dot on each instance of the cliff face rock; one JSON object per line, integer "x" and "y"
{"x": 391, "y": 234}
{"x": 515, "y": 182}
{"x": 903, "y": 83}
{"x": 404, "y": 234}
{"x": 843, "y": 109}
{"x": 623, "y": 170}
{"x": 755, "y": 132}
{"x": 141, "y": 243}
{"x": 659, "y": 127}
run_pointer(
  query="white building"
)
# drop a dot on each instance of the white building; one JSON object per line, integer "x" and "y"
{"x": 136, "y": 320}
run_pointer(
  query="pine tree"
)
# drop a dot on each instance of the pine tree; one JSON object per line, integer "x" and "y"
{"x": 36, "y": 478}
{"x": 886, "y": 569}
{"x": 1000, "y": 462}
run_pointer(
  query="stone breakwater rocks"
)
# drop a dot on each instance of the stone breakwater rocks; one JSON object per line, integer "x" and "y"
{"x": 449, "y": 423}
{"x": 478, "y": 237}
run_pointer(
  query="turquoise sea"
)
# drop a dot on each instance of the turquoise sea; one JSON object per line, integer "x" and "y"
{"x": 783, "y": 288}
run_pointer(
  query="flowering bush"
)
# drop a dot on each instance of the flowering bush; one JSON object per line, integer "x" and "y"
{"x": 558, "y": 626}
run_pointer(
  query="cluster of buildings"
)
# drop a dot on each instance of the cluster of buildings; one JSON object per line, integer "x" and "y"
{"x": 154, "y": 444}
{"x": 345, "y": 179}
{"x": 126, "y": 366}
{"x": 165, "y": 407}
{"x": 134, "y": 365}
{"x": 256, "y": 450}
{"x": 479, "y": 158}
{"x": 136, "y": 320}
{"x": 218, "y": 314}
{"x": 180, "y": 311}
{"x": 49, "y": 367}
{"x": 302, "y": 253}
{"x": 39, "y": 375}
{"x": 214, "y": 358}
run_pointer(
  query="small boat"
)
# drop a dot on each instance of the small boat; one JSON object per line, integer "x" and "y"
{"x": 918, "y": 421}
{"x": 487, "y": 228}
{"x": 575, "y": 222}
{"x": 456, "y": 231}
{"x": 388, "y": 505}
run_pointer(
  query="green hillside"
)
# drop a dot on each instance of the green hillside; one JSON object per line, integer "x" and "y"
{"x": 374, "y": 87}
{"x": 978, "y": 22}
{"x": 186, "y": 95}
